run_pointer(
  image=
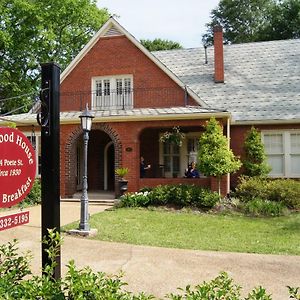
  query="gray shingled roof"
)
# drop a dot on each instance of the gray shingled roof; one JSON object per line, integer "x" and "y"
{"x": 262, "y": 80}
{"x": 126, "y": 115}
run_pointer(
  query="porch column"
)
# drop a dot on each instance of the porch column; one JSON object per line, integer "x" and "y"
{"x": 131, "y": 160}
{"x": 228, "y": 137}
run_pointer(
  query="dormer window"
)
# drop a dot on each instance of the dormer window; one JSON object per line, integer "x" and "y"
{"x": 114, "y": 92}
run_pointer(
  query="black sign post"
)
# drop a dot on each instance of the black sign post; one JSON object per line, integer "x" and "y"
{"x": 50, "y": 167}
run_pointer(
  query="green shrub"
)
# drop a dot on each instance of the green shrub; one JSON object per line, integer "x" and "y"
{"x": 204, "y": 198}
{"x": 285, "y": 191}
{"x": 13, "y": 267}
{"x": 258, "y": 207}
{"x": 294, "y": 292}
{"x": 135, "y": 199}
{"x": 180, "y": 195}
{"x": 255, "y": 162}
{"x": 250, "y": 188}
{"x": 258, "y": 293}
{"x": 222, "y": 287}
{"x": 34, "y": 196}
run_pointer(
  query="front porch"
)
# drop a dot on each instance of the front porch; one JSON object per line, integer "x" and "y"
{"x": 117, "y": 140}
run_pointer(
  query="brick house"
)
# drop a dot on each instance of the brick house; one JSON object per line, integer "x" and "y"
{"x": 135, "y": 96}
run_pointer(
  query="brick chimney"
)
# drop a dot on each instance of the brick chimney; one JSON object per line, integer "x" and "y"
{"x": 219, "y": 54}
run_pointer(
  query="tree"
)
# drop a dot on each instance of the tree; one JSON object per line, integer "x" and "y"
{"x": 214, "y": 156}
{"x": 34, "y": 32}
{"x": 159, "y": 44}
{"x": 285, "y": 21}
{"x": 255, "y": 162}
{"x": 255, "y": 20}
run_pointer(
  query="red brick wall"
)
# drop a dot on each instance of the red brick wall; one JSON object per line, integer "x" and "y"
{"x": 117, "y": 56}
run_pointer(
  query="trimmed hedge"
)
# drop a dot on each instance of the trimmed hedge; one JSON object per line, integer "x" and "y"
{"x": 181, "y": 195}
{"x": 284, "y": 191}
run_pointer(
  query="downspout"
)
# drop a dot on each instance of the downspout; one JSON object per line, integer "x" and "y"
{"x": 185, "y": 96}
{"x": 228, "y": 144}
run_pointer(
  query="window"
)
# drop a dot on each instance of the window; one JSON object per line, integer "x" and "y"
{"x": 113, "y": 92}
{"x": 283, "y": 153}
{"x": 295, "y": 154}
{"x": 192, "y": 149}
{"x": 171, "y": 159}
{"x": 35, "y": 141}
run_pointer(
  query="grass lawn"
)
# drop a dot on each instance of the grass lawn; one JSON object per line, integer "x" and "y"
{"x": 187, "y": 230}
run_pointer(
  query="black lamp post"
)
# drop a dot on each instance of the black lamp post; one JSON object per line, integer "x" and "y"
{"x": 86, "y": 123}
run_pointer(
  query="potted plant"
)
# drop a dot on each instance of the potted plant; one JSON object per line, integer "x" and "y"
{"x": 123, "y": 183}
{"x": 122, "y": 172}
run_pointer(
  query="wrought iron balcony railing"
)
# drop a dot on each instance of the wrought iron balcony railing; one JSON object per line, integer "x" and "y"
{"x": 122, "y": 98}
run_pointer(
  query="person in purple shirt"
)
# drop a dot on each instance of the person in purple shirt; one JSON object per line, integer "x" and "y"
{"x": 191, "y": 171}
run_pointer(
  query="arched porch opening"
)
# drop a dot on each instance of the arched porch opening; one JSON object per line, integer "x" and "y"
{"x": 103, "y": 157}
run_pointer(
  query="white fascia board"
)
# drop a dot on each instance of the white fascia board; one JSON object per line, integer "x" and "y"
{"x": 112, "y": 22}
{"x": 203, "y": 116}
{"x": 266, "y": 122}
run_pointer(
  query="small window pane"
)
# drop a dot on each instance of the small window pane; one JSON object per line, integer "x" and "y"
{"x": 106, "y": 87}
{"x": 295, "y": 143}
{"x": 176, "y": 164}
{"x": 119, "y": 86}
{"x": 176, "y": 149}
{"x": 295, "y": 165}
{"x": 276, "y": 163}
{"x": 273, "y": 143}
{"x": 167, "y": 148}
{"x": 127, "y": 85}
{"x": 192, "y": 145}
{"x": 167, "y": 163}
{"x": 98, "y": 88}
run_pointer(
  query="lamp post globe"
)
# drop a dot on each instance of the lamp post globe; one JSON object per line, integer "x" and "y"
{"x": 86, "y": 119}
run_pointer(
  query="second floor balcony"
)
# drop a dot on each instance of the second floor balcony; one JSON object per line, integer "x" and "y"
{"x": 123, "y": 99}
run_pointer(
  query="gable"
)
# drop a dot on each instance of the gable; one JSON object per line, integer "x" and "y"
{"x": 112, "y": 31}
{"x": 117, "y": 56}
{"x": 120, "y": 53}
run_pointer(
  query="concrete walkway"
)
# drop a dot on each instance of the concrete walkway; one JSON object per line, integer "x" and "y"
{"x": 158, "y": 270}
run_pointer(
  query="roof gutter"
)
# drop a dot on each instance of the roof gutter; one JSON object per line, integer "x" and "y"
{"x": 202, "y": 116}
{"x": 265, "y": 122}
{"x": 112, "y": 119}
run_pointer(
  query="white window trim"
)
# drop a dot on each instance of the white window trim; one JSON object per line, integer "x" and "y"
{"x": 286, "y": 151}
{"x": 36, "y": 150}
{"x": 113, "y": 86}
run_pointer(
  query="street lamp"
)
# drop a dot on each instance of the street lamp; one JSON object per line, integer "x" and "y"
{"x": 86, "y": 123}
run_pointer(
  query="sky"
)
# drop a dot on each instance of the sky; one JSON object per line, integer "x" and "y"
{"x": 180, "y": 21}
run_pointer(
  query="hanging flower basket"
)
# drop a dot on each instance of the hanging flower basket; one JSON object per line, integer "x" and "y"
{"x": 173, "y": 137}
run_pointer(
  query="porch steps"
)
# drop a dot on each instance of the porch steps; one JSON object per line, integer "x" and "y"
{"x": 95, "y": 197}
{"x": 108, "y": 202}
